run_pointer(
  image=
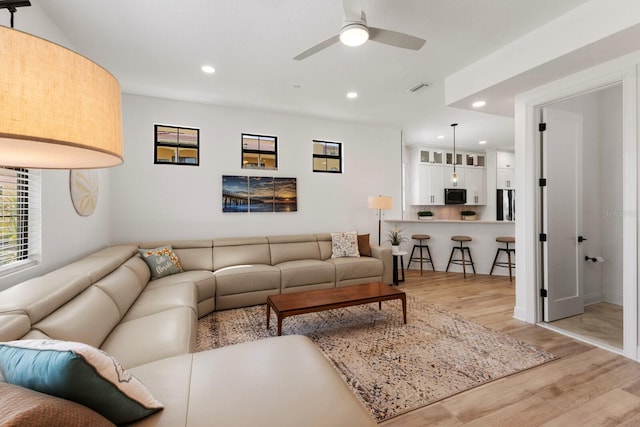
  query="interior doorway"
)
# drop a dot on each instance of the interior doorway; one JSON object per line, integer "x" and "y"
{"x": 581, "y": 216}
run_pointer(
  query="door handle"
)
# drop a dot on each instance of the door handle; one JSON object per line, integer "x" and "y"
{"x": 581, "y": 239}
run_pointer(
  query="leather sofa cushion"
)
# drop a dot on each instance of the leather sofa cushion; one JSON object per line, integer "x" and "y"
{"x": 240, "y": 251}
{"x": 306, "y": 272}
{"x": 163, "y": 298}
{"x": 164, "y": 334}
{"x": 123, "y": 286}
{"x": 192, "y": 254}
{"x": 88, "y": 318}
{"x": 204, "y": 280}
{"x": 281, "y": 381}
{"x": 324, "y": 243}
{"x": 246, "y": 278}
{"x": 291, "y": 248}
{"x": 13, "y": 326}
{"x": 40, "y": 296}
{"x": 355, "y": 268}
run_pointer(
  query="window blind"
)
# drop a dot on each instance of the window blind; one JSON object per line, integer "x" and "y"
{"x": 20, "y": 218}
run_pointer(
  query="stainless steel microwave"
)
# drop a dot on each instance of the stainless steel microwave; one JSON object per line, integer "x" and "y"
{"x": 455, "y": 196}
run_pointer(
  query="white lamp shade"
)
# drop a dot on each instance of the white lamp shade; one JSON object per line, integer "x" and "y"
{"x": 58, "y": 110}
{"x": 380, "y": 202}
{"x": 354, "y": 34}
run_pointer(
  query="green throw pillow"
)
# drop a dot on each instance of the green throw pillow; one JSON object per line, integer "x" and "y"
{"x": 162, "y": 261}
{"x": 80, "y": 373}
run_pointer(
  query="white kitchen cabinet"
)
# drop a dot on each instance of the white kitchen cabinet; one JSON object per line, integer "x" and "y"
{"x": 505, "y": 178}
{"x": 475, "y": 159}
{"x": 448, "y": 156}
{"x": 476, "y": 185}
{"x": 505, "y": 160}
{"x": 430, "y": 156}
{"x": 428, "y": 187}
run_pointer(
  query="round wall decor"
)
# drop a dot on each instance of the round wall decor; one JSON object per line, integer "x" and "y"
{"x": 83, "y": 184}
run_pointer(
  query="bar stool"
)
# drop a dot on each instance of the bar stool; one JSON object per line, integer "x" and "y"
{"x": 461, "y": 261}
{"x": 420, "y": 245}
{"x": 511, "y": 264}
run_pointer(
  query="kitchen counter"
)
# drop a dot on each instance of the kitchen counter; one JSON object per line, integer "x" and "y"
{"x": 483, "y": 246}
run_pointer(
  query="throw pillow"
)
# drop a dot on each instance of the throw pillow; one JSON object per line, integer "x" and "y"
{"x": 77, "y": 372}
{"x": 162, "y": 261}
{"x": 21, "y": 407}
{"x": 344, "y": 244}
{"x": 364, "y": 247}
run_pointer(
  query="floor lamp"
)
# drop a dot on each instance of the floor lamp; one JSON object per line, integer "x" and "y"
{"x": 380, "y": 203}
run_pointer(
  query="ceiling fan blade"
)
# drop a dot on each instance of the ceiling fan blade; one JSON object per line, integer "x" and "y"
{"x": 394, "y": 38}
{"x": 352, "y": 10}
{"x": 317, "y": 48}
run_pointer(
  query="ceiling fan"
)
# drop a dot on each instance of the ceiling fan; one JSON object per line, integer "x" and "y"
{"x": 355, "y": 32}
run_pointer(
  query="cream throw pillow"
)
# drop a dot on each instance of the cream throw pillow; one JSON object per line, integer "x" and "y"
{"x": 344, "y": 244}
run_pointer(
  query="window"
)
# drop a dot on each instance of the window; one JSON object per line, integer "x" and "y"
{"x": 19, "y": 219}
{"x": 327, "y": 157}
{"x": 177, "y": 145}
{"x": 259, "y": 152}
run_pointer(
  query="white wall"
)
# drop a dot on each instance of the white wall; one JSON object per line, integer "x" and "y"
{"x": 66, "y": 236}
{"x": 151, "y": 202}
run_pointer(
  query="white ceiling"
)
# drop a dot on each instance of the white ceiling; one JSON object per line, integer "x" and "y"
{"x": 156, "y": 48}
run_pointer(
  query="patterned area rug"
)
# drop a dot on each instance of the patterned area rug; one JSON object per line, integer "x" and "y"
{"x": 392, "y": 367}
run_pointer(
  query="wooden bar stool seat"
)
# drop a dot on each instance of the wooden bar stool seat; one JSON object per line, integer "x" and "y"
{"x": 462, "y": 260}
{"x": 422, "y": 258}
{"x": 510, "y": 263}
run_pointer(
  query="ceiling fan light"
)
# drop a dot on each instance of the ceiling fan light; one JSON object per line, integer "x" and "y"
{"x": 354, "y": 34}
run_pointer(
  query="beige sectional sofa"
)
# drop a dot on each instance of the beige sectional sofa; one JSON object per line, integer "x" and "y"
{"x": 107, "y": 300}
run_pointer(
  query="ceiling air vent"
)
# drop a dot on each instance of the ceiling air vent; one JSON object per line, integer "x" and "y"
{"x": 418, "y": 87}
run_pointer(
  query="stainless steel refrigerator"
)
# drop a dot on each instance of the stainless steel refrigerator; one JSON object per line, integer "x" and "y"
{"x": 506, "y": 205}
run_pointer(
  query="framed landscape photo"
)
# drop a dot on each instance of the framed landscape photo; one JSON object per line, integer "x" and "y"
{"x": 286, "y": 195}
{"x": 235, "y": 193}
{"x": 261, "y": 194}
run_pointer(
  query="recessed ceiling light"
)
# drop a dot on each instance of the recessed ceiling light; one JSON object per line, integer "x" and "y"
{"x": 482, "y": 142}
{"x": 352, "y": 95}
{"x": 208, "y": 69}
{"x": 440, "y": 136}
{"x": 479, "y": 104}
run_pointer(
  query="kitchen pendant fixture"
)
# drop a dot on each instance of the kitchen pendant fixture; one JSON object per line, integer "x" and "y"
{"x": 454, "y": 176}
{"x": 59, "y": 110}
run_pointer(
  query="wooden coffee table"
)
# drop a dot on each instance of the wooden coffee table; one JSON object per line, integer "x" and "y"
{"x": 286, "y": 305}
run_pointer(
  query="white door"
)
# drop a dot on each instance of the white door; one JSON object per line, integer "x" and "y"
{"x": 562, "y": 214}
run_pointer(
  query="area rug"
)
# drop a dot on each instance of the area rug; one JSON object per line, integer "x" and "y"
{"x": 393, "y": 368}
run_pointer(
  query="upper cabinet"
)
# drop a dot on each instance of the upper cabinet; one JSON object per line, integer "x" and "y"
{"x": 431, "y": 170}
{"x": 505, "y": 160}
{"x": 505, "y": 170}
{"x": 430, "y": 156}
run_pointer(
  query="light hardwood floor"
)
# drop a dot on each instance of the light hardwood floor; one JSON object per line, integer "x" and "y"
{"x": 586, "y": 386}
{"x": 601, "y": 322}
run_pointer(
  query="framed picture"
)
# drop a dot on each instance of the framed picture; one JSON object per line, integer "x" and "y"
{"x": 259, "y": 194}
{"x": 235, "y": 193}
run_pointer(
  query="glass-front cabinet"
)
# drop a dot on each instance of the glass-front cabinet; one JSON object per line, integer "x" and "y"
{"x": 430, "y": 156}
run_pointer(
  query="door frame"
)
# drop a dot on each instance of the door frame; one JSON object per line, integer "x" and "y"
{"x": 528, "y": 280}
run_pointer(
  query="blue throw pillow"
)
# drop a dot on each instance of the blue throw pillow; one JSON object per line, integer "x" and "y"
{"x": 77, "y": 372}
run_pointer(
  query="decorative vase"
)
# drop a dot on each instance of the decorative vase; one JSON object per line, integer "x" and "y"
{"x": 395, "y": 248}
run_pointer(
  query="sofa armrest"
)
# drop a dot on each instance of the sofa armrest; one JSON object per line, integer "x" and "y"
{"x": 384, "y": 255}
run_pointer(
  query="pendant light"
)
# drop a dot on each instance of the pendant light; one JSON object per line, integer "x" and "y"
{"x": 454, "y": 177}
{"x": 58, "y": 110}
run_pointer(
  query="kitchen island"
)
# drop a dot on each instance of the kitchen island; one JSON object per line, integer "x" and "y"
{"x": 483, "y": 247}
